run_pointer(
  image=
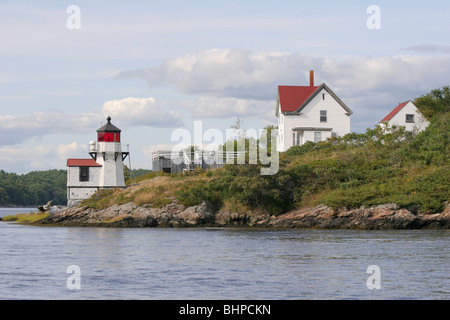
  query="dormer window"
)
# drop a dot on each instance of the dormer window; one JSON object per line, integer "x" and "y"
{"x": 409, "y": 118}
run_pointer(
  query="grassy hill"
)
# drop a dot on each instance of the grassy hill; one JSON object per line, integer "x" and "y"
{"x": 375, "y": 167}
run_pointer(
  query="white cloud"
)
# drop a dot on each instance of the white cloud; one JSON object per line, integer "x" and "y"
{"x": 141, "y": 111}
{"x": 228, "y": 107}
{"x": 65, "y": 151}
{"x": 229, "y": 73}
{"x": 129, "y": 111}
{"x": 21, "y": 159}
{"x": 16, "y": 129}
{"x": 428, "y": 48}
{"x": 232, "y": 82}
{"x": 241, "y": 74}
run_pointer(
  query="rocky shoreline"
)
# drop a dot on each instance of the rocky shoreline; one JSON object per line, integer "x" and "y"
{"x": 380, "y": 217}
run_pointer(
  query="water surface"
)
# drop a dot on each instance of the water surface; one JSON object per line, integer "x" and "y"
{"x": 221, "y": 263}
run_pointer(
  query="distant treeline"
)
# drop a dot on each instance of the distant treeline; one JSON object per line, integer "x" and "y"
{"x": 37, "y": 187}
{"x": 33, "y": 188}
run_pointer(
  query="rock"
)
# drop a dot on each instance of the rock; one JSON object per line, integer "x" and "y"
{"x": 227, "y": 218}
{"x": 56, "y": 209}
{"x": 45, "y": 207}
{"x": 385, "y": 216}
{"x": 197, "y": 215}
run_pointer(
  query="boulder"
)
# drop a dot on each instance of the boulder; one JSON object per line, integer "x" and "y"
{"x": 197, "y": 215}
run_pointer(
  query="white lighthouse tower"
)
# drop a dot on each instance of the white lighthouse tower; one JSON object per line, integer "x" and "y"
{"x": 108, "y": 153}
{"x": 104, "y": 170}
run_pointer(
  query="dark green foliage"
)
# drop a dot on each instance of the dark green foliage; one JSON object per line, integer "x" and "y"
{"x": 431, "y": 146}
{"x": 299, "y": 150}
{"x": 243, "y": 186}
{"x": 377, "y": 167}
{"x": 437, "y": 102}
{"x": 38, "y": 187}
{"x": 33, "y": 188}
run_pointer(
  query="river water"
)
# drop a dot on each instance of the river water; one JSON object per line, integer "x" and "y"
{"x": 221, "y": 263}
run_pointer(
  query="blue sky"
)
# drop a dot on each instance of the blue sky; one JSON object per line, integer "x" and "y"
{"x": 156, "y": 66}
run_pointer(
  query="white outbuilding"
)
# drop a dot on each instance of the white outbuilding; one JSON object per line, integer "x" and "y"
{"x": 408, "y": 115}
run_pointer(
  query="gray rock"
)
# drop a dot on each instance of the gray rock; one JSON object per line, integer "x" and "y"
{"x": 386, "y": 216}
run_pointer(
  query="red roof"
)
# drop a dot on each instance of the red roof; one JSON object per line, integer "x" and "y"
{"x": 395, "y": 111}
{"x": 292, "y": 97}
{"x": 82, "y": 163}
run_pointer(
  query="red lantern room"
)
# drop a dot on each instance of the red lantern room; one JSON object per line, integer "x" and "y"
{"x": 108, "y": 133}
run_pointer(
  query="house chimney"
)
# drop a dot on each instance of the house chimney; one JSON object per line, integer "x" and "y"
{"x": 311, "y": 78}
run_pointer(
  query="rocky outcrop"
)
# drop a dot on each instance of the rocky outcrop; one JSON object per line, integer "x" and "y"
{"x": 386, "y": 216}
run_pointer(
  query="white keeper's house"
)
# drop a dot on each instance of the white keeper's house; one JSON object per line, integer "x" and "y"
{"x": 309, "y": 113}
{"x": 408, "y": 115}
{"x": 102, "y": 171}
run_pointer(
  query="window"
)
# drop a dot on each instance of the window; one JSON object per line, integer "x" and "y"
{"x": 84, "y": 173}
{"x": 295, "y": 138}
{"x": 323, "y": 96}
{"x": 409, "y": 118}
{"x": 108, "y": 137}
{"x": 323, "y": 115}
{"x": 317, "y": 136}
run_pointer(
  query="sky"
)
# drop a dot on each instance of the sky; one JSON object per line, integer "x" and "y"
{"x": 158, "y": 66}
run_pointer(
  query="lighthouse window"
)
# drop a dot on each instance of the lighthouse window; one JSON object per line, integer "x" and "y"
{"x": 109, "y": 137}
{"x": 84, "y": 173}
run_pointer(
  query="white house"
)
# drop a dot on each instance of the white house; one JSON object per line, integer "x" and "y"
{"x": 309, "y": 113}
{"x": 406, "y": 114}
{"x": 103, "y": 170}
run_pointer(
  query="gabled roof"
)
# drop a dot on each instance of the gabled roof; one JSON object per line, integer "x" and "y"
{"x": 82, "y": 163}
{"x": 109, "y": 127}
{"x": 395, "y": 111}
{"x": 293, "y": 99}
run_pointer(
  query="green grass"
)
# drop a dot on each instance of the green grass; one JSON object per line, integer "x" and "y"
{"x": 26, "y": 217}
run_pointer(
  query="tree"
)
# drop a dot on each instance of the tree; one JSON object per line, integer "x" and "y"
{"x": 239, "y": 124}
{"x": 437, "y": 102}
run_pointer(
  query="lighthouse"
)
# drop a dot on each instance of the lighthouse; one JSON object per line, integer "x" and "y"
{"x": 103, "y": 170}
{"x": 108, "y": 153}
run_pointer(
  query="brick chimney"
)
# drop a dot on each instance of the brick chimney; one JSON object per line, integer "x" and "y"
{"x": 311, "y": 78}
